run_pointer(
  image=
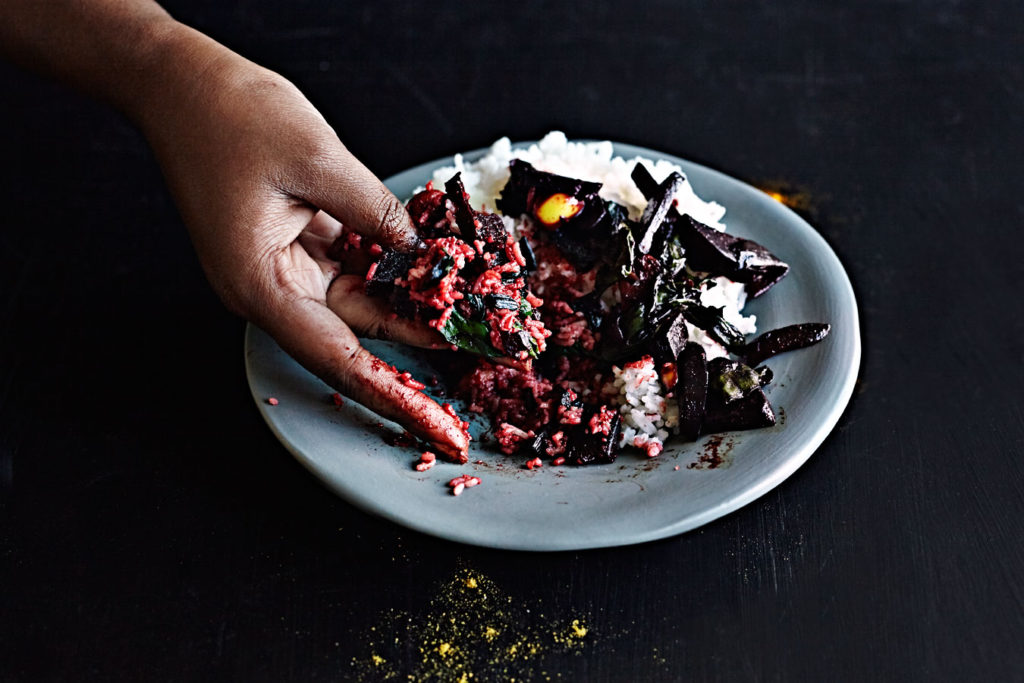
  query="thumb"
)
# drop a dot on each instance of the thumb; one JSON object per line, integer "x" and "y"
{"x": 344, "y": 188}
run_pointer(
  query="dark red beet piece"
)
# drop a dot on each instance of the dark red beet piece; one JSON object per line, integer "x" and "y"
{"x": 582, "y": 445}
{"x": 750, "y": 412}
{"x": 730, "y": 380}
{"x": 655, "y": 213}
{"x": 463, "y": 211}
{"x": 692, "y": 390}
{"x": 475, "y": 225}
{"x": 738, "y": 259}
{"x": 429, "y": 213}
{"x": 590, "y": 306}
{"x": 515, "y": 341}
{"x": 391, "y": 265}
{"x": 586, "y": 448}
{"x": 582, "y": 238}
{"x": 789, "y": 338}
{"x": 670, "y": 341}
{"x": 710, "y": 250}
{"x": 490, "y": 228}
{"x": 527, "y": 188}
{"x": 500, "y": 301}
{"x": 527, "y": 251}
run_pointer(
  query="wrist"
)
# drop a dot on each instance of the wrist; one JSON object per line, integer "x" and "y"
{"x": 176, "y": 65}
{"x": 102, "y": 47}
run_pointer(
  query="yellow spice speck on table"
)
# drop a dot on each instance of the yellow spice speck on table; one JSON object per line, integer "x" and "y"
{"x": 470, "y": 631}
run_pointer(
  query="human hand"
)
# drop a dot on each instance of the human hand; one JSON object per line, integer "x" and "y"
{"x": 262, "y": 182}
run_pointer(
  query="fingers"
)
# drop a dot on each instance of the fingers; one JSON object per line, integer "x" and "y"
{"x": 343, "y": 187}
{"x": 372, "y": 317}
{"x": 319, "y": 235}
{"x": 326, "y": 241}
{"x": 324, "y": 345}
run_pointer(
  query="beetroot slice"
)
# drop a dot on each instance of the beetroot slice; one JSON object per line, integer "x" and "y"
{"x": 463, "y": 211}
{"x": 714, "y": 251}
{"x": 429, "y": 213}
{"x": 751, "y": 412}
{"x": 740, "y": 260}
{"x": 670, "y": 341}
{"x": 586, "y": 448}
{"x": 584, "y": 237}
{"x": 655, "y": 213}
{"x": 692, "y": 389}
{"x": 789, "y": 338}
{"x": 390, "y": 266}
{"x": 527, "y": 188}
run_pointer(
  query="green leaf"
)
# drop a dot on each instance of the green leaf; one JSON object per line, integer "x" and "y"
{"x": 475, "y": 336}
{"x": 674, "y": 258}
{"x": 710, "y": 320}
{"x": 638, "y": 317}
{"x": 737, "y": 381}
{"x": 469, "y": 335}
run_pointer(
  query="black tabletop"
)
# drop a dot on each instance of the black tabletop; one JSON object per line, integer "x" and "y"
{"x": 154, "y": 529}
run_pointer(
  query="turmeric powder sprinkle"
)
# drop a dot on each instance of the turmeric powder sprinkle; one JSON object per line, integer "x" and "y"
{"x": 470, "y": 631}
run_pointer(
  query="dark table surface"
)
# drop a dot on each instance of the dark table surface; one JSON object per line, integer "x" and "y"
{"x": 153, "y": 527}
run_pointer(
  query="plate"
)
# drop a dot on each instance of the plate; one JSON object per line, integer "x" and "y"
{"x": 631, "y": 501}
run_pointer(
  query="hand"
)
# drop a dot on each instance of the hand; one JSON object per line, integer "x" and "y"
{"x": 262, "y": 182}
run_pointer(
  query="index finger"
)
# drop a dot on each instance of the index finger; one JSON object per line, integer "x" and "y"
{"x": 351, "y": 193}
{"x": 319, "y": 340}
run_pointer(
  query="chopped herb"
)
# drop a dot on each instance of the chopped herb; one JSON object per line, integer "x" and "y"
{"x": 443, "y": 266}
{"x": 469, "y": 335}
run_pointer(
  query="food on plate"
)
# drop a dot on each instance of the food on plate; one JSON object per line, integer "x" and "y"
{"x": 600, "y": 300}
{"x": 468, "y": 280}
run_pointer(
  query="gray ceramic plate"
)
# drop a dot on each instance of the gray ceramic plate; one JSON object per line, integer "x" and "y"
{"x": 634, "y": 500}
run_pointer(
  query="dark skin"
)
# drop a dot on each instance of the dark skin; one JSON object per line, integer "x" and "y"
{"x": 261, "y": 180}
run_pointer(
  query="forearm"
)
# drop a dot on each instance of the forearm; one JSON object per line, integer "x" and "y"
{"x": 128, "y": 53}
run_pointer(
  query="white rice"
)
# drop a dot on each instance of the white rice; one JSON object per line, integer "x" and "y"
{"x": 730, "y": 296}
{"x": 592, "y": 161}
{"x": 647, "y": 417}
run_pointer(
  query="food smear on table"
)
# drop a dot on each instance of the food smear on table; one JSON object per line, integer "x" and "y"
{"x": 598, "y": 301}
